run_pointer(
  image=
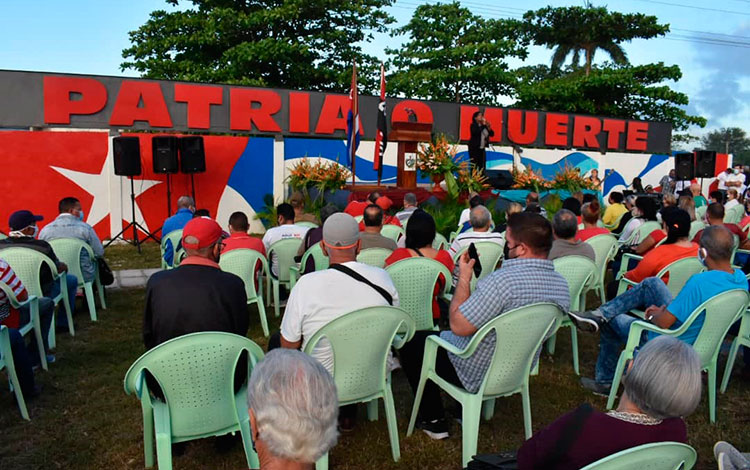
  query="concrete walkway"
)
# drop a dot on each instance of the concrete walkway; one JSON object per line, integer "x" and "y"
{"x": 129, "y": 278}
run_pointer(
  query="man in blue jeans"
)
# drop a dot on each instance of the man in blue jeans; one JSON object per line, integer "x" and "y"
{"x": 612, "y": 318}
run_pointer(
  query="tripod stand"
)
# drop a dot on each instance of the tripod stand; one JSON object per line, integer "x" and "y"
{"x": 135, "y": 225}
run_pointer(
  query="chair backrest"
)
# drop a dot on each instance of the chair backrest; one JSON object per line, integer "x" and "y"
{"x": 27, "y": 264}
{"x": 68, "y": 250}
{"x": 440, "y": 242}
{"x": 175, "y": 237}
{"x": 374, "y": 256}
{"x": 616, "y": 223}
{"x": 700, "y": 212}
{"x": 415, "y": 280}
{"x": 490, "y": 254}
{"x": 605, "y": 248}
{"x": 394, "y": 232}
{"x": 5, "y": 351}
{"x": 360, "y": 341}
{"x": 679, "y": 272}
{"x": 721, "y": 311}
{"x": 696, "y": 226}
{"x": 3, "y": 236}
{"x": 285, "y": 250}
{"x": 321, "y": 260}
{"x": 578, "y": 272}
{"x": 642, "y": 232}
{"x": 519, "y": 334}
{"x": 196, "y": 375}
{"x": 734, "y": 214}
{"x": 306, "y": 224}
{"x": 10, "y": 295}
{"x": 242, "y": 262}
{"x": 656, "y": 456}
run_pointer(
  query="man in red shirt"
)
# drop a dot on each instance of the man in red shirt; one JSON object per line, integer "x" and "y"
{"x": 357, "y": 208}
{"x": 715, "y": 216}
{"x": 238, "y": 236}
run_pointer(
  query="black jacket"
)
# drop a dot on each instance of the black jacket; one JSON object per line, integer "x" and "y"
{"x": 476, "y": 132}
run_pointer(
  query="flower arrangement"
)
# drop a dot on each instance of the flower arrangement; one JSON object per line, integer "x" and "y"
{"x": 528, "y": 179}
{"x": 570, "y": 179}
{"x": 325, "y": 175}
{"x": 471, "y": 179}
{"x": 437, "y": 158}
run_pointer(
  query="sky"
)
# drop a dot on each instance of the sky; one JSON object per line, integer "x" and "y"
{"x": 88, "y": 36}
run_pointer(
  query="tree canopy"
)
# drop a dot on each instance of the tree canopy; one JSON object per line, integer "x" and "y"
{"x": 452, "y": 54}
{"x": 729, "y": 140}
{"x": 308, "y": 44}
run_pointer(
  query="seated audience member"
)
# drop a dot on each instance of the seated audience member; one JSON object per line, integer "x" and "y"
{"x": 314, "y": 236}
{"x": 564, "y": 228}
{"x": 357, "y": 208}
{"x": 729, "y": 458}
{"x": 385, "y": 203}
{"x": 23, "y": 358}
{"x": 185, "y": 210}
{"x": 644, "y": 211}
{"x": 297, "y": 200}
{"x": 687, "y": 204}
{"x": 526, "y": 277}
{"x": 464, "y": 223}
{"x": 293, "y": 385}
{"x": 410, "y": 205}
{"x": 371, "y": 237}
{"x": 573, "y": 205}
{"x": 238, "y": 236}
{"x": 578, "y": 195}
{"x": 198, "y": 295}
{"x": 715, "y": 216}
{"x": 716, "y": 196}
{"x": 732, "y": 199}
{"x": 695, "y": 190}
{"x": 615, "y": 209}
{"x": 316, "y": 298}
{"x": 70, "y": 224}
{"x": 533, "y": 205}
{"x": 627, "y": 216}
{"x": 653, "y": 296}
{"x": 480, "y": 219}
{"x": 201, "y": 213}
{"x": 590, "y": 215}
{"x": 669, "y": 200}
{"x": 23, "y": 231}
{"x": 746, "y": 217}
{"x": 513, "y": 208}
{"x": 662, "y": 387}
{"x": 637, "y": 186}
{"x": 420, "y": 234}
{"x": 285, "y": 229}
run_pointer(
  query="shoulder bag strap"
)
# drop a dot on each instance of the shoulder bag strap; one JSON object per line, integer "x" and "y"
{"x": 418, "y": 252}
{"x": 355, "y": 275}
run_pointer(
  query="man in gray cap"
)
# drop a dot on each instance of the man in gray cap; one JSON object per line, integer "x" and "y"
{"x": 322, "y": 296}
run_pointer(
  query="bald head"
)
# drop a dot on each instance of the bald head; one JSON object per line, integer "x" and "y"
{"x": 565, "y": 224}
{"x": 695, "y": 188}
{"x": 718, "y": 242}
{"x": 479, "y": 217}
{"x": 186, "y": 202}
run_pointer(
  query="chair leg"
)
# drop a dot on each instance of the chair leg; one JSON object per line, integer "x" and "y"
{"x": 417, "y": 401}
{"x": 262, "y": 314}
{"x": 276, "y": 308}
{"x": 148, "y": 437}
{"x": 712, "y": 392}
{"x": 730, "y": 364}
{"x": 390, "y": 418}
{"x": 488, "y": 409}
{"x": 372, "y": 410}
{"x": 67, "y": 303}
{"x": 574, "y": 346}
{"x": 13, "y": 378}
{"x": 616, "y": 380}
{"x": 551, "y": 342}
{"x": 100, "y": 291}
{"x": 38, "y": 333}
{"x": 52, "y": 335}
{"x": 164, "y": 451}
{"x": 88, "y": 290}
{"x": 322, "y": 463}
{"x": 526, "y": 402}
{"x": 470, "y": 410}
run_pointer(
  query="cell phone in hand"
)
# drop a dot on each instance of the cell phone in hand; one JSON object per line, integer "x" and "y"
{"x": 473, "y": 254}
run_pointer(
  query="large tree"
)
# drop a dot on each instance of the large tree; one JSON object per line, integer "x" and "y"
{"x": 584, "y": 30}
{"x": 309, "y": 44}
{"x": 453, "y": 55}
{"x": 729, "y": 140}
{"x": 624, "y": 91}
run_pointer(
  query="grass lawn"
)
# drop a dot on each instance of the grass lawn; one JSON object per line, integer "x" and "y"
{"x": 125, "y": 256}
{"x": 84, "y": 420}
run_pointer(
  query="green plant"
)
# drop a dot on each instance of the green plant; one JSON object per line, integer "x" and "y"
{"x": 267, "y": 215}
{"x": 446, "y": 214}
{"x": 552, "y": 204}
{"x": 471, "y": 179}
{"x": 437, "y": 157}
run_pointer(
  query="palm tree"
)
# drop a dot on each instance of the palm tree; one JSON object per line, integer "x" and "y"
{"x": 587, "y": 49}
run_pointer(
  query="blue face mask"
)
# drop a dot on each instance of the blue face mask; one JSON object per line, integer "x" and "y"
{"x": 80, "y": 215}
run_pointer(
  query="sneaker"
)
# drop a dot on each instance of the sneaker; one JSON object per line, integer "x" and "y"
{"x": 586, "y": 321}
{"x": 723, "y": 461}
{"x": 728, "y": 457}
{"x": 596, "y": 387}
{"x": 437, "y": 428}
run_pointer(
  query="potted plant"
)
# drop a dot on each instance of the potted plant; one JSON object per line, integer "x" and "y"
{"x": 317, "y": 179}
{"x": 471, "y": 179}
{"x": 528, "y": 179}
{"x": 437, "y": 159}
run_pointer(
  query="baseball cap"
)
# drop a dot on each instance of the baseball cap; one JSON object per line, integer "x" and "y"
{"x": 19, "y": 220}
{"x": 340, "y": 231}
{"x": 384, "y": 202}
{"x": 200, "y": 233}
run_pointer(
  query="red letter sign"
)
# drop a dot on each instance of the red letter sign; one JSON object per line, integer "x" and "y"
{"x": 333, "y": 114}
{"x": 556, "y": 130}
{"x": 299, "y": 112}
{"x": 585, "y": 130}
{"x": 58, "y": 107}
{"x": 199, "y": 99}
{"x": 242, "y": 115}
{"x": 613, "y": 127}
{"x": 637, "y": 135}
{"x": 464, "y": 123}
{"x": 420, "y": 109}
{"x": 154, "y": 109}
{"x": 531, "y": 127}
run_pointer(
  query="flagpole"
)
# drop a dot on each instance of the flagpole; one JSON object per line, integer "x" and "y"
{"x": 354, "y": 101}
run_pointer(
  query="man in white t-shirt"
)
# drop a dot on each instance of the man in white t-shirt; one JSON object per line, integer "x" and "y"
{"x": 286, "y": 229}
{"x": 722, "y": 179}
{"x": 736, "y": 180}
{"x": 464, "y": 223}
{"x": 732, "y": 199}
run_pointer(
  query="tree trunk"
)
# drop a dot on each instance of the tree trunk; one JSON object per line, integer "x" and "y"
{"x": 588, "y": 60}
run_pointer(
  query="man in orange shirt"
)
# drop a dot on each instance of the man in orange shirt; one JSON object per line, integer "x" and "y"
{"x": 357, "y": 208}
{"x": 715, "y": 216}
{"x": 238, "y": 237}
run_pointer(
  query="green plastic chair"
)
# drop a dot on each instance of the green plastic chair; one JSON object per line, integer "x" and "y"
{"x": 285, "y": 251}
{"x": 3, "y": 236}
{"x": 519, "y": 335}
{"x": 321, "y": 262}
{"x": 394, "y": 232}
{"x": 734, "y": 215}
{"x": 490, "y": 254}
{"x": 700, "y": 212}
{"x": 6, "y": 362}
{"x": 374, "y": 256}
{"x": 721, "y": 311}
{"x": 605, "y": 249}
{"x": 679, "y": 272}
{"x": 415, "y": 280}
{"x": 175, "y": 236}
{"x": 655, "y": 456}
{"x": 27, "y": 264}
{"x": 306, "y": 224}
{"x": 361, "y": 341}
{"x": 242, "y": 262}
{"x": 68, "y": 250}
{"x": 440, "y": 242}
{"x": 695, "y": 227}
{"x": 452, "y": 236}
{"x": 34, "y": 325}
{"x": 640, "y": 233}
{"x": 578, "y": 271}
{"x": 742, "y": 339}
{"x": 196, "y": 375}
{"x": 359, "y": 218}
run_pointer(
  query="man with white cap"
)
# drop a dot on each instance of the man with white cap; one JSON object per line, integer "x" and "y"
{"x": 198, "y": 295}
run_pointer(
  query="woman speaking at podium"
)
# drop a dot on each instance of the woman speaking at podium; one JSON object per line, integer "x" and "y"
{"x": 481, "y": 131}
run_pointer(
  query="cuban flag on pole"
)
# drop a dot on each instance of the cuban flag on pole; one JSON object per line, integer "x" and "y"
{"x": 381, "y": 133}
{"x": 353, "y": 124}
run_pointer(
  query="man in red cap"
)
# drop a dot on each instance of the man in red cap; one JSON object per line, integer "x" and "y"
{"x": 385, "y": 203}
{"x": 198, "y": 295}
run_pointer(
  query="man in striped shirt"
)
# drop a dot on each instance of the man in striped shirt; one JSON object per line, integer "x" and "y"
{"x": 481, "y": 221}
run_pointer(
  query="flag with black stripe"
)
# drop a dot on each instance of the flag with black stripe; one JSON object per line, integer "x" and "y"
{"x": 381, "y": 135}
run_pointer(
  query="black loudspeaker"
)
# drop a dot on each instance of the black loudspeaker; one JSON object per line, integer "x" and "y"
{"x": 127, "y": 151}
{"x": 499, "y": 179}
{"x": 705, "y": 164}
{"x": 192, "y": 155}
{"x": 164, "y": 150}
{"x": 683, "y": 166}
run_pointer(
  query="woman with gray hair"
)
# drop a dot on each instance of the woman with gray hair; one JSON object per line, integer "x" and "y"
{"x": 293, "y": 409}
{"x": 662, "y": 386}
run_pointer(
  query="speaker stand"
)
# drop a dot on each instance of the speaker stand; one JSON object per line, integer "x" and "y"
{"x": 135, "y": 225}
{"x": 169, "y": 196}
{"x": 192, "y": 186}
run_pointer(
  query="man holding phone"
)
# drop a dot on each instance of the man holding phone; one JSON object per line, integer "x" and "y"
{"x": 526, "y": 277}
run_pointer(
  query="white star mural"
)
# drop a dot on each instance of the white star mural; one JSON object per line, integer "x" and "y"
{"x": 98, "y": 185}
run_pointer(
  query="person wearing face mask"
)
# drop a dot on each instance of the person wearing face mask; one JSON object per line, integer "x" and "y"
{"x": 643, "y": 211}
{"x": 285, "y": 229}
{"x": 653, "y": 296}
{"x": 70, "y": 224}
{"x": 198, "y": 295}
{"x": 736, "y": 180}
{"x": 23, "y": 232}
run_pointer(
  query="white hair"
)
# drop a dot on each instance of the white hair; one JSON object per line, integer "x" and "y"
{"x": 480, "y": 217}
{"x": 295, "y": 404}
{"x": 185, "y": 202}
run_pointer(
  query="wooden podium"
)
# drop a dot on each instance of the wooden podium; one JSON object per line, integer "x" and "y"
{"x": 408, "y": 135}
